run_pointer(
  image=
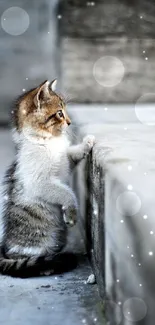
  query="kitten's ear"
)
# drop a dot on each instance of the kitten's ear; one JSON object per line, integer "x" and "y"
{"x": 53, "y": 84}
{"x": 42, "y": 93}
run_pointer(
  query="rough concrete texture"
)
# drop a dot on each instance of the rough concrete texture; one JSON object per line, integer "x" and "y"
{"x": 57, "y": 300}
{"x": 120, "y": 205}
{"x": 64, "y": 299}
{"x": 93, "y": 19}
{"x": 122, "y": 30}
{"x": 80, "y": 56}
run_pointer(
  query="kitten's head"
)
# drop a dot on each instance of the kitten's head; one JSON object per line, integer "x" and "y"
{"x": 42, "y": 112}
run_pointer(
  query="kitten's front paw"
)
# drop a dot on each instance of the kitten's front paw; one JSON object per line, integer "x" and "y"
{"x": 89, "y": 142}
{"x": 70, "y": 216}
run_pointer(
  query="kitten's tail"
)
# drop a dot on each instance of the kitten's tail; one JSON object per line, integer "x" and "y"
{"x": 36, "y": 266}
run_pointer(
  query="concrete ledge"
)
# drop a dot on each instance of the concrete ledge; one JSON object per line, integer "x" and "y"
{"x": 119, "y": 210}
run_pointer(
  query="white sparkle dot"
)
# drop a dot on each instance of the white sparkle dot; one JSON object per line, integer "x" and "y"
{"x": 84, "y": 321}
{"x": 151, "y": 253}
{"x": 27, "y": 78}
{"x": 125, "y": 128}
{"x": 59, "y": 16}
{"x": 117, "y": 280}
{"x": 130, "y": 187}
{"x": 52, "y": 307}
{"x": 139, "y": 264}
{"x": 128, "y": 247}
{"x": 6, "y": 197}
{"x": 56, "y": 278}
{"x": 119, "y": 303}
{"x": 95, "y": 212}
{"x": 145, "y": 174}
{"x": 12, "y": 112}
{"x": 129, "y": 167}
{"x": 92, "y": 3}
{"x": 144, "y": 51}
{"x": 140, "y": 285}
{"x": 48, "y": 33}
{"x": 4, "y": 18}
{"x": 105, "y": 108}
{"x": 122, "y": 221}
{"x": 146, "y": 59}
{"x": 145, "y": 217}
{"x": 24, "y": 111}
{"x": 128, "y": 312}
{"x": 23, "y": 89}
{"x": 132, "y": 255}
{"x": 151, "y": 232}
{"x": 141, "y": 17}
{"x": 95, "y": 319}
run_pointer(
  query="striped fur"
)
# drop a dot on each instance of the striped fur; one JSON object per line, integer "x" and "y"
{"x": 39, "y": 201}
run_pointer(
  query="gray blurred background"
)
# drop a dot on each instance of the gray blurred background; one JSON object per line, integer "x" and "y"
{"x": 101, "y": 51}
{"x": 103, "y": 54}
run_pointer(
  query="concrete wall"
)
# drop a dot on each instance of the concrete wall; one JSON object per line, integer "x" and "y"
{"x": 121, "y": 29}
{"x": 121, "y": 228}
{"x": 117, "y": 206}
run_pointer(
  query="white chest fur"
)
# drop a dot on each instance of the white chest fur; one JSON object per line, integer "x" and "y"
{"x": 56, "y": 151}
{"x": 40, "y": 160}
{"x": 56, "y": 147}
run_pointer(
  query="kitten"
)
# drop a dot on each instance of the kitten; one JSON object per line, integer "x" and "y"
{"x": 40, "y": 201}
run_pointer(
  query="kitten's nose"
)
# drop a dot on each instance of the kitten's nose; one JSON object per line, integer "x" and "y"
{"x": 68, "y": 121}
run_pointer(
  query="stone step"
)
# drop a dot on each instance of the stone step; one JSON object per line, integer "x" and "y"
{"x": 116, "y": 191}
{"x": 51, "y": 299}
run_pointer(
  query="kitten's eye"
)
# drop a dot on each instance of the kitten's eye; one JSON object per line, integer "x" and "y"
{"x": 60, "y": 114}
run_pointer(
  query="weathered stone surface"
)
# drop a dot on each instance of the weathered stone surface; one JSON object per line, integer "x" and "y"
{"x": 119, "y": 212}
{"x": 91, "y": 19}
{"x": 80, "y": 56}
{"x": 121, "y": 29}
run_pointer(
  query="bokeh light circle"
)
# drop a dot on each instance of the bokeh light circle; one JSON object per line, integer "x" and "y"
{"x": 128, "y": 202}
{"x": 134, "y": 309}
{"x": 15, "y": 21}
{"x": 112, "y": 312}
{"x": 108, "y": 71}
{"x": 145, "y": 109}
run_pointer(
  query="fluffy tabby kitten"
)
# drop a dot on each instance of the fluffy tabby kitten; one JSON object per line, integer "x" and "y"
{"x": 33, "y": 225}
